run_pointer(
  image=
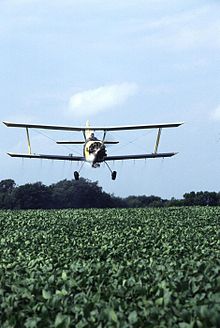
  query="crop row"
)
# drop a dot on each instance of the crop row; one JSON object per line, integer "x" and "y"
{"x": 110, "y": 268}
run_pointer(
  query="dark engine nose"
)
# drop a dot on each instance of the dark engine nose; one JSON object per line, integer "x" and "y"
{"x": 101, "y": 153}
{"x": 98, "y": 149}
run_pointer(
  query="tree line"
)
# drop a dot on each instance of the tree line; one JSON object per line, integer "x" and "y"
{"x": 87, "y": 194}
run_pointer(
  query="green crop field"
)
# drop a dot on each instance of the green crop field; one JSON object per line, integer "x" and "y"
{"x": 110, "y": 268}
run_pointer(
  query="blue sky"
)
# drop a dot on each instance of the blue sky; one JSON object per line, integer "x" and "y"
{"x": 114, "y": 62}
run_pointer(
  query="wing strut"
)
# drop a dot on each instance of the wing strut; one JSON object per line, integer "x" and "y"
{"x": 157, "y": 140}
{"x": 29, "y": 142}
{"x": 104, "y": 135}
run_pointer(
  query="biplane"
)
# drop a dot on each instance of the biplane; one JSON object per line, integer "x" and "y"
{"x": 94, "y": 149}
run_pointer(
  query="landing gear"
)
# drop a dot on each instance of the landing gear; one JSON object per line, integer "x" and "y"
{"x": 114, "y": 174}
{"x": 76, "y": 175}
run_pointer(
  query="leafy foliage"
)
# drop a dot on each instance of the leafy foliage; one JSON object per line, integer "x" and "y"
{"x": 110, "y": 268}
{"x": 64, "y": 194}
{"x": 87, "y": 194}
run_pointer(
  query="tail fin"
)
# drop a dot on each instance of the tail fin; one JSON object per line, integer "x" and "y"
{"x": 88, "y": 131}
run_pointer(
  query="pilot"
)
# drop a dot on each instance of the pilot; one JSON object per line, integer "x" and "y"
{"x": 92, "y": 137}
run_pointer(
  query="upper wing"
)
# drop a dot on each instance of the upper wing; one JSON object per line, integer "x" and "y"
{"x": 95, "y": 128}
{"x": 45, "y": 156}
{"x": 138, "y": 127}
{"x": 41, "y": 126}
{"x": 142, "y": 156}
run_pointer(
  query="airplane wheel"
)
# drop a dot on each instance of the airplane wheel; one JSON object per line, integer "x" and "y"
{"x": 114, "y": 174}
{"x": 76, "y": 175}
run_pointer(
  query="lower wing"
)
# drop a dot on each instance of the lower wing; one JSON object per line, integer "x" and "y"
{"x": 82, "y": 159}
{"x": 142, "y": 156}
{"x": 45, "y": 156}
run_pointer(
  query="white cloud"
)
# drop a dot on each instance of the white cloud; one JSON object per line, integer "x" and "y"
{"x": 215, "y": 115}
{"x": 96, "y": 100}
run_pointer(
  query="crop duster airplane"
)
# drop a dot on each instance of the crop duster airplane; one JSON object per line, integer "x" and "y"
{"x": 94, "y": 149}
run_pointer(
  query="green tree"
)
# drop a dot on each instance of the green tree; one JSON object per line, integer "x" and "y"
{"x": 144, "y": 201}
{"x": 79, "y": 194}
{"x": 202, "y": 198}
{"x": 7, "y": 188}
{"x": 32, "y": 196}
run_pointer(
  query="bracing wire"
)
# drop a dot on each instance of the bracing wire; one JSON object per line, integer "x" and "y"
{"x": 134, "y": 140}
{"x": 67, "y": 147}
{"x": 117, "y": 150}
